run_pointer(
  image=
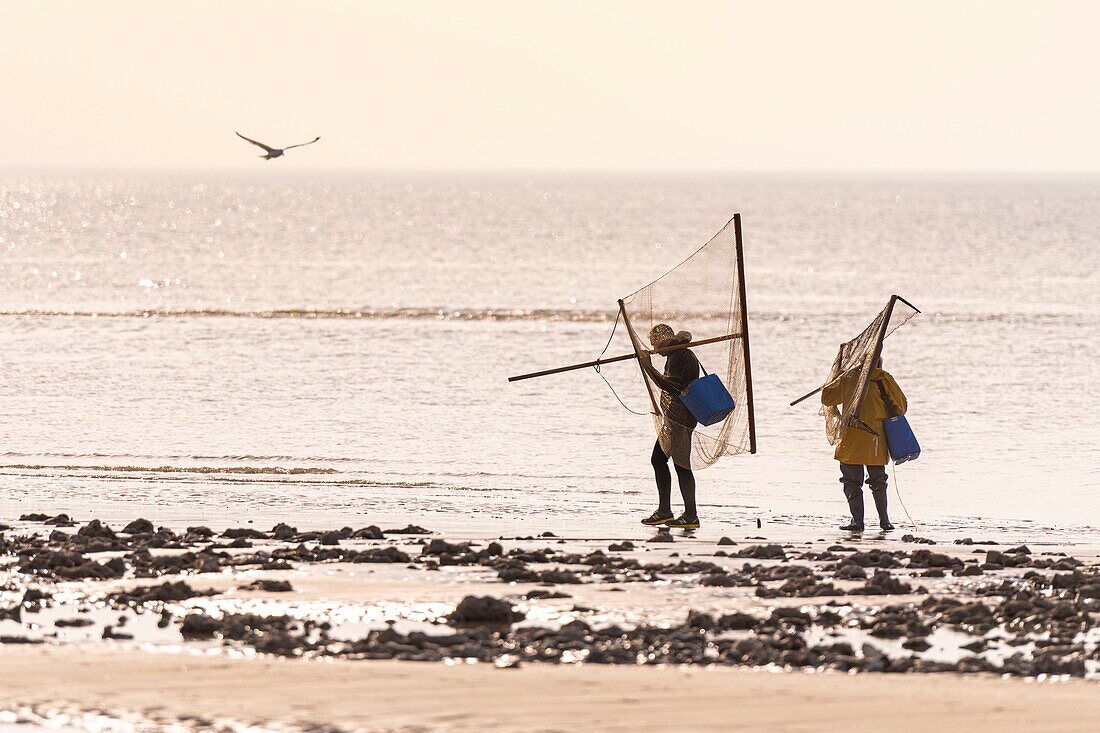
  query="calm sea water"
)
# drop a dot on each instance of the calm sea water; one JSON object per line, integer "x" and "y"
{"x": 334, "y": 349}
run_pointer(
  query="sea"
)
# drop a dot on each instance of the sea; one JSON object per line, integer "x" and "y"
{"x": 333, "y": 348}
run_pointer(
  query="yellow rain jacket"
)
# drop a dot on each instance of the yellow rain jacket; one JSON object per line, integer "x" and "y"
{"x": 857, "y": 446}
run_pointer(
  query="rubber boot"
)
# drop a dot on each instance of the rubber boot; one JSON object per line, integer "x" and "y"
{"x": 880, "y": 505}
{"x": 854, "y": 495}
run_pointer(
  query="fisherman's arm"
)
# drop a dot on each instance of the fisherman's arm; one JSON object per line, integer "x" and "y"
{"x": 833, "y": 393}
{"x": 896, "y": 395}
{"x": 663, "y": 382}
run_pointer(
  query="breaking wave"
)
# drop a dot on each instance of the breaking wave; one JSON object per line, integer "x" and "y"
{"x": 513, "y": 314}
{"x": 270, "y": 470}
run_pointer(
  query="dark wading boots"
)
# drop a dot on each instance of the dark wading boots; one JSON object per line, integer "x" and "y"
{"x": 855, "y": 506}
{"x": 854, "y": 495}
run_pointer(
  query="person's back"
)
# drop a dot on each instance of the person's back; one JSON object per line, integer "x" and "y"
{"x": 864, "y": 445}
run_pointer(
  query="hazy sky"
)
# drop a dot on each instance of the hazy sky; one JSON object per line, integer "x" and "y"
{"x": 508, "y": 84}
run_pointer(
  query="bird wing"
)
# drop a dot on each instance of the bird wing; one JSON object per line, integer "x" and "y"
{"x": 258, "y": 144}
{"x": 302, "y": 145}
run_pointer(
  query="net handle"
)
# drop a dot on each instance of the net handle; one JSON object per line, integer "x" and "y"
{"x": 638, "y": 354}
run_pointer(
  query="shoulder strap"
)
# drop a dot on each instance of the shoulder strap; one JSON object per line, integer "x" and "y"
{"x": 890, "y": 410}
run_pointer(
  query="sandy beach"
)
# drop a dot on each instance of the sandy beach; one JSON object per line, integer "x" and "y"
{"x": 393, "y": 696}
{"x": 368, "y": 629}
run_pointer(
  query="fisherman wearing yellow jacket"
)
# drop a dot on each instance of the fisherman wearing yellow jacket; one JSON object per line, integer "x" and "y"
{"x": 858, "y": 447}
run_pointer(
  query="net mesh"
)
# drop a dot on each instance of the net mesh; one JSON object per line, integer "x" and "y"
{"x": 704, "y": 296}
{"x": 861, "y": 353}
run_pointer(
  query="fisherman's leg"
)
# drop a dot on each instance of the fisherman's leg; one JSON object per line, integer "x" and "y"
{"x": 686, "y": 479}
{"x": 851, "y": 476}
{"x": 876, "y": 480}
{"x": 681, "y": 459}
{"x": 664, "y": 486}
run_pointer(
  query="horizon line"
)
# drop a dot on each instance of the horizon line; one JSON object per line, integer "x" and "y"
{"x": 519, "y": 171}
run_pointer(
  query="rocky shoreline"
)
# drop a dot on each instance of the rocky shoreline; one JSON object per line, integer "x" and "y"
{"x": 843, "y": 606}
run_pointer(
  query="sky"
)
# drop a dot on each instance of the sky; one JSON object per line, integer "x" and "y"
{"x": 530, "y": 85}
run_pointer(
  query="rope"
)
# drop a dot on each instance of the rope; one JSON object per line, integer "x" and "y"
{"x": 894, "y": 470}
{"x": 600, "y": 372}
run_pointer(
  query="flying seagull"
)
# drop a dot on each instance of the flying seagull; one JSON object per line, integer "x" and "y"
{"x": 275, "y": 152}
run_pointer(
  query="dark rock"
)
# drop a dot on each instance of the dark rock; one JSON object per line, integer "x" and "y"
{"x": 850, "y": 571}
{"x": 139, "y": 526}
{"x": 381, "y": 554}
{"x": 873, "y": 559}
{"x": 442, "y": 547}
{"x": 269, "y": 586}
{"x": 917, "y": 645}
{"x": 662, "y": 536}
{"x": 929, "y": 559}
{"x": 719, "y": 580}
{"x": 246, "y": 532}
{"x": 6, "y": 639}
{"x": 762, "y": 552}
{"x": 883, "y": 584}
{"x": 736, "y": 622}
{"x": 726, "y": 541}
{"x": 410, "y": 529}
{"x": 199, "y": 626}
{"x": 64, "y": 623}
{"x": 368, "y": 533}
{"x": 698, "y": 620}
{"x": 164, "y": 592}
{"x": 484, "y": 611}
{"x": 283, "y": 532}
{"x": 559, "y": 577}
{"x": 330, "y": 538}
{"x": 61, "y": 520}
{"x": 534, "y": 595}
{"x": 110, "y": 633}
{"x": 96, "y": 530}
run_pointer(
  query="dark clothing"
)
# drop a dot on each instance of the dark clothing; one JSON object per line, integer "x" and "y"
{"x": 851, "y": 475}
{"x": 681, "y": 369}
{"x": 684, "y": 477}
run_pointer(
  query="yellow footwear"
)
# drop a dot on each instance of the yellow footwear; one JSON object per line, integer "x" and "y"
{"x": 656, "y": 519}
{"x": 683, "y": 522}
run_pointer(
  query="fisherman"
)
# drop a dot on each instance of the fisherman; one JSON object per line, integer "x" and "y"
{"x": 681, "y": 369}
{"x": 864, "y": 446}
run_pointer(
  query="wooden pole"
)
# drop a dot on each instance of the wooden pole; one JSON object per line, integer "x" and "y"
{"x": 745, "y": 331}
{"x": 624, "y": 357}
{"x": 638, "y": 354}
{"x": 807, "y": 396}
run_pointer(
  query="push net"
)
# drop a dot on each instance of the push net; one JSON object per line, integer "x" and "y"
{"x": 702, "y": 298}
{"x": 861, "y": 354}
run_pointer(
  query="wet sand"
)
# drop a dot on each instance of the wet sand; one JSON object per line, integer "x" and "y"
{"x": 391, "y": 696}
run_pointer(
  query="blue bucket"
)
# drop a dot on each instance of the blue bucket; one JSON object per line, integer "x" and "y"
{"x": 900, "y": 440}
{"x": 707, "y": 399}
